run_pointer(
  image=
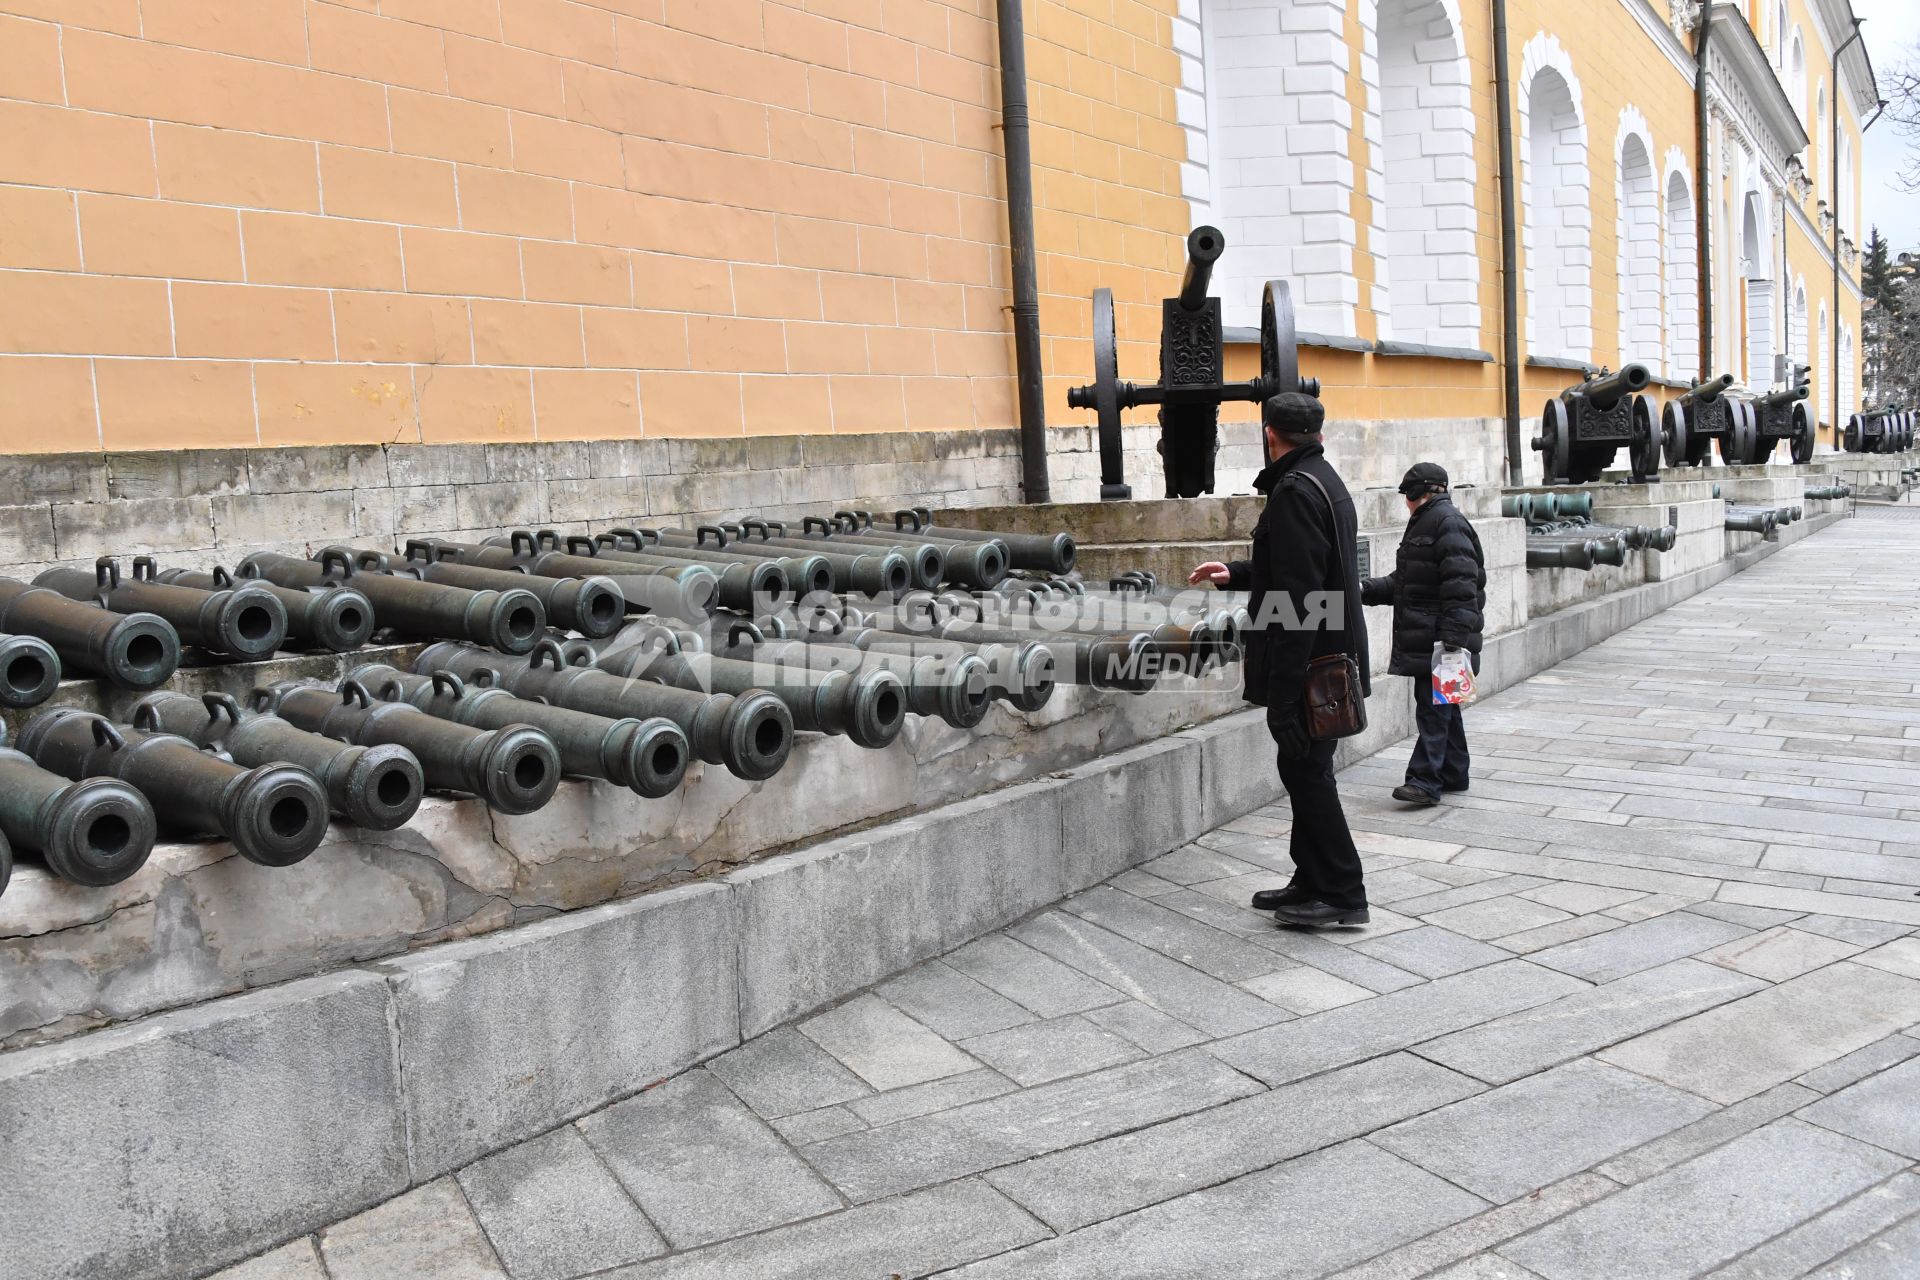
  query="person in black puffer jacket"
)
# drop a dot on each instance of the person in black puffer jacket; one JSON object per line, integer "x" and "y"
{"x": 1438, "y": 590}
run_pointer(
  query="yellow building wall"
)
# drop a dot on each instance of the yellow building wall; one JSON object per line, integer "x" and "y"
{"x": 239, "y": 222}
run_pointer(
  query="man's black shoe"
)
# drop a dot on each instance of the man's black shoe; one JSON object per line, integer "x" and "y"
{"x": 1317, "y": 913}
{"x": 1270, "y": 899}
{"x": 1409, "y": 794}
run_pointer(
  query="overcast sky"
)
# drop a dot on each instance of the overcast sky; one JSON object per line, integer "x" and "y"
{"x": 1892, "y": 36}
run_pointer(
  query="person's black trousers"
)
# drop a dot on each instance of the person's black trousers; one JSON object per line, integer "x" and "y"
{"x": 1439, "y": 761}
{"x": 1324, "y": 859}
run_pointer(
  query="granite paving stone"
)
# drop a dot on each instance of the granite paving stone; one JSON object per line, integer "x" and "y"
{"x": 950, "y": 1003}
{"x": 553, "y": 1211}
{"x": 428, "y": 1232}
{"x": 1466, "y": 1240}
{"x": 1780, "y": 953}
{"x": 1866, "y": 932}
{"x": 811, "y": 1126}
{"x": 1901, "y": 956}
{"x": 1394, "y": 1021}
{"x": 1305, "y": 989}
{"x": 1708, "y": 1211}
{"x": 1313, "y": 949}
{"x": 1834, "y": 1232}
{"x": 783, "y": 1072}
{"x": 1220, "y": 955}
{"x": 911, "y": 1236}
{"x": 1086, "y": 1184}
{"x": 1327, "y": 1210}
{"x": 882, "y": 1045}
{"x": 1641, "y": 945}
{"x": 701, "y": 1165}
{"x": 1522, "y": 1043}
{"x": 299, "y": 1260}
{"x": 1528, "y": 941}
{"x": 1860, "y": 1064}
{"x": 1495, "y": 917}
{"x": 1193, "y": 863}
{"x": 1152, "y": 1030}
{"x": 1041, "y": 1051}
{"x": 983, "y": 1135}
{"x": 1883, "y": 1109}
{"x": 1207, "y": 1004}
{"x": 1431, "y": 951}
{"x": 1028, "y": 978}
{"x": 1888, "y": 1256}
{"x": 1704, "y": 1135}
{"x": 1580, "y": 898}
{"x": 935, "y": 1095}
{"x": 1738, "y": 1049}
{"x": 1487, "y": 1266}
{"x": 1525, "y": 1135}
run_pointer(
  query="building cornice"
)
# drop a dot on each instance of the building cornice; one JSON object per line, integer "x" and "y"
{"x": 1856, "y": 66}
{"x": 1751, "y": 89}
{"x": 1664, "y": 37}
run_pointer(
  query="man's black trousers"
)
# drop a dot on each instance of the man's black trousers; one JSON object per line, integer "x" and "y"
{"x": 1324, "y": 859}
{"x": 1439, "y": 761}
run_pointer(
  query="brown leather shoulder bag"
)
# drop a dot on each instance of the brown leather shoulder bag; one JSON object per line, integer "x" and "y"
{"x": 1332, "y": 700}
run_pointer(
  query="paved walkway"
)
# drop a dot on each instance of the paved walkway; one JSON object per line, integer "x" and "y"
{"x": 1642, "y": 1004}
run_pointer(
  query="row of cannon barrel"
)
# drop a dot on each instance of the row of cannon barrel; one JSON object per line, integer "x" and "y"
{"x": 1562, "y": 534}
{"x": 506, "y": 592}
{"x": 503, "y": 704}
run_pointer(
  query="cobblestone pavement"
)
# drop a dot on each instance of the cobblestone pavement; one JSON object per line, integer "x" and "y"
{"x": 1642, "y": 1003}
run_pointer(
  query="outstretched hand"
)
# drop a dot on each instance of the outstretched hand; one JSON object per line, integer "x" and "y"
{"x": 1212, "y": 571}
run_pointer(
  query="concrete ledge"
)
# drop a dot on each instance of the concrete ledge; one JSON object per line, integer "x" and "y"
{"x": 200, "y": 1136}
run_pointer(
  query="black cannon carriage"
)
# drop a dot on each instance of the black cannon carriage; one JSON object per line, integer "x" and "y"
{"x": 1692, "y": 422}
{"x": 1762, "y": 422}
{"x": 1888, "y": 431}
{"x": 1584, "y": 426}
{"x": 1192, "y": 384}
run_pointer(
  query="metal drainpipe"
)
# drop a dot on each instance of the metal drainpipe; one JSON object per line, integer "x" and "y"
{"x": 1833, "y": 164}
{"x": 1509, "y": 245}
{"x": 1026, "y": 293}
{"x": 1703, "y": 189}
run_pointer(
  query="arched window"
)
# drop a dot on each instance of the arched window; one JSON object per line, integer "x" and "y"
{"x": 1558, "y": 220}
{"x": 1817, "y": 152}
{"x": 1780, "y": 33}
{"x": 1683, "y": 284}
{"x": 1754, "y": 261}
{"x": 1271, "y": 124}
{"x": 1845, "y": 211}
{"x": 1797, "y": 329}
{"x": 1427, "y": 253}
{"x": 1637, "y": 230}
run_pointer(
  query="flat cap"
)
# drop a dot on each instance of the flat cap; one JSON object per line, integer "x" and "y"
{"x": 1423, "y": 477}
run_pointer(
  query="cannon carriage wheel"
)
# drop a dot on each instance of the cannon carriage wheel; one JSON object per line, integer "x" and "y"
{"x": 1741, "y": 442}
{"x": 1643, "y": 451}
{"x": 1851, "y": 440}
{"x": 1676, "y": 438}
{"x": 1801, "y": 441}
{"x": 1106, "y": 394}
{"x": 1555, "y": 443}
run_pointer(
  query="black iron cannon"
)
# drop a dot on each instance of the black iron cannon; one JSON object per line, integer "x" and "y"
{"x": 240, "y": 623}
{"x": 1192, "y": 384}
{"x": 1762, "y": 422}
{"x": 96, "y": 831}
{"x": 275, "y": 814}
{"x": 1692, "y": 422}
{"x": 1890, "y": 430}
{"x": 29, "y": 671}
{"x": 511, "y": 621}
{"x": 333, "y": 616}
{"x": 1584, "y": 426}
{"x": 131, "y": 651}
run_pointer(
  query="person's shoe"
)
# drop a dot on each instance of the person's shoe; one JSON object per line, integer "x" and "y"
{"x": 1410, "y": 794}
{"x": 1315, "y": 912}
{"x": 1272, "y": 899}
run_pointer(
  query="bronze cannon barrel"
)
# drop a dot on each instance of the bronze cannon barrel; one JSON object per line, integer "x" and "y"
{"x": 1204, "y": 246}
{"x": 1605, "y": 392}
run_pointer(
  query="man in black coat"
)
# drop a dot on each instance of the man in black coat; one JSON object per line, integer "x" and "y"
{"x": 1305, "y": 604}
{"x": 1438, "y": 590}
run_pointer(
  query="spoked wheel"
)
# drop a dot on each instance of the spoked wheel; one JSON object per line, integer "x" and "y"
{"x": 1555, "y": 443}
{"x": 1738, "y": 445}
{"x": 1643, "y": 452}
{"x": 1280, "y": 343}
{"x": 1106, "y": 398}
{"x": 1802, "y": 438}
{"x": 1676, "y": 438}
{"x": 1851, "y": 438}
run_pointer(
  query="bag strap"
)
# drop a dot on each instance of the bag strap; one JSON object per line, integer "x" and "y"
{"x": 1339, "y": 552}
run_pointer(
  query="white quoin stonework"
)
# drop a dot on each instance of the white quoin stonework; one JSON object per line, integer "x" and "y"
{"x": 1264, "y": 104}
{"x": 1420, "y": 134}
{"x": 1637, "y": 240}
{"x": 1557, "y": 218}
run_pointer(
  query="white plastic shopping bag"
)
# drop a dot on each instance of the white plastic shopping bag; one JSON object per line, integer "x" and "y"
{"x": 1452, "y": 676}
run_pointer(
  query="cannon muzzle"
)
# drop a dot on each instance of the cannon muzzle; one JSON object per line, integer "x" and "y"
{"x": 1204, "y": 247}
{"x": 97, "y": 831}
{"x": 1707, "y": 392}
{"x": 1604, "y": 392}
{"x": 29, "y": 671}
{"x": 131, "y": 651}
